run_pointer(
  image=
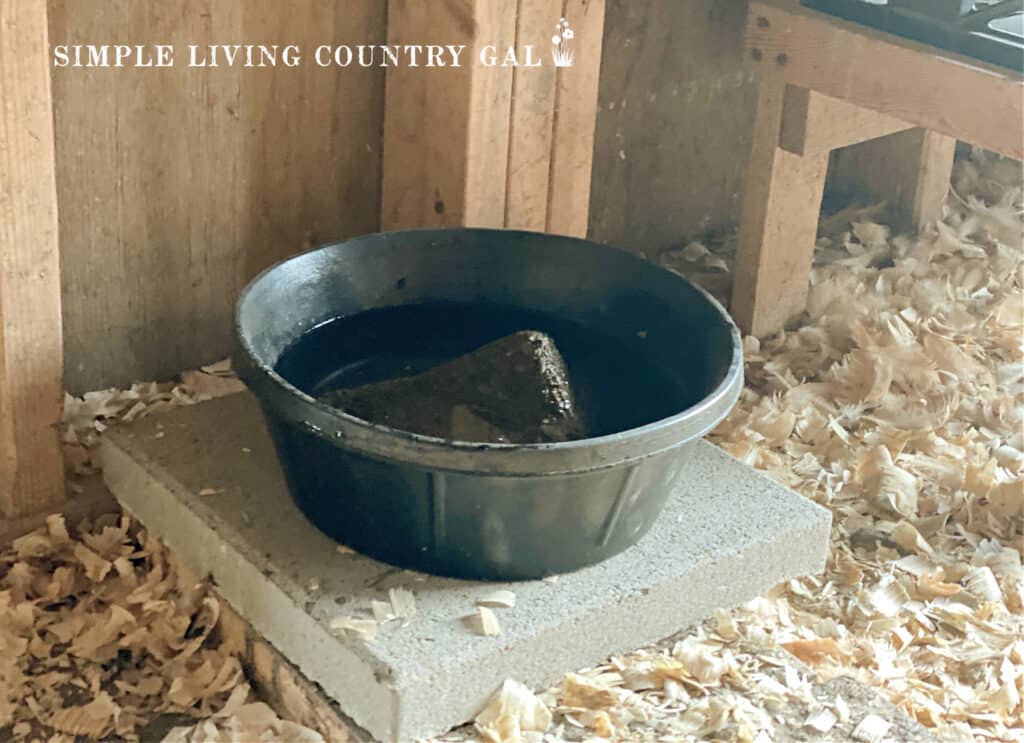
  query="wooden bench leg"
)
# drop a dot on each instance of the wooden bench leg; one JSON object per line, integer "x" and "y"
{"x": 31, "y": 467}
{"x": 931, "y": 164}
{"x": 910, "y": 170}
{"x": 779, "y": 224}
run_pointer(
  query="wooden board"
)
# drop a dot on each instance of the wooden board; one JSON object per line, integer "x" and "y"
{"x": 31, "y": 466}
{"x": 814, "y": 123}
{"x": 677, "y": 99}
{"x": 533, "y": 112}
{"x": 446, "y": 128}
{"x": 939, "y": 91}
{"x": 910, "y": 170}
{"x": 177, "y": 185}
{"x": 575, "y": 118}
{"x": 492, "y": 145}
{"x": 780, "y": 218}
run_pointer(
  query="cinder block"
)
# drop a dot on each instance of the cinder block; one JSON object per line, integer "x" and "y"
{"x": 726, "y": 536}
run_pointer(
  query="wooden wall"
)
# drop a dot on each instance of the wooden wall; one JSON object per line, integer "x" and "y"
{"x": 177, "y": 185}
{"x": 675, "y": 121}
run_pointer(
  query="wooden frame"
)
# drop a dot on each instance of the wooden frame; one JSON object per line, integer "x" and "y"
{"x": 929, "y": 88}
{"x": 491, "y": 146}
{"x": 825, "y": 84}
{"x": 813, "y": 123}
{"x": 31, "y": 355}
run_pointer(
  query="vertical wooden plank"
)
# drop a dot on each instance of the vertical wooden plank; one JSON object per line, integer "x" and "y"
{"x": 490, "y": 106}
{"x": 533, "y": 110}
{"x": 910, "y": 170}
{"x": 779, "y": 223}
{"x": 446, "y": 129}
{"x": 933, "y": 169}
{"x": 31, "y": 470}
{"x": 575, "y": 117}
{"x": 177, "y": 184}
{"x": 677, "y": 104}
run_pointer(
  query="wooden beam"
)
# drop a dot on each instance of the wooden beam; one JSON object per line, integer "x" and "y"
{"x": 575, "y": 119}
{"x": 31, "y": 467}
{"x": 937, "y": 90}
{"x": 814, "y": 123}
{"x": 446, "y": 128}
{"x": 493, "y": 146}
{"x": 777, "y": 233}
{"x": 533, "y": 113}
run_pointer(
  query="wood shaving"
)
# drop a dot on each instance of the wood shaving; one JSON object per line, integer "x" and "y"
{"x": 821, "y": 721}
{"x": 486, "y": 622}
{"x": 364, "y": 629}
{"x": 872, "y": 729}
{"x": 240, "y": 722}
{"x": 99, "y": 635}
{"x": 85, "y": 418}
{"x": 382, "y": 611}
{"x": 899, "y": 406}
{"x": 513, "y": 711}
{"x": 579, "y": 692}
{"x": 501, "y": 599}
{"x": 403, "y": 603}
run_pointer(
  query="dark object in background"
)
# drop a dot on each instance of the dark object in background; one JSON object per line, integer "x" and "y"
{"x": 479, "y": 510}
{"x": 512, "y": 390}
{"x": 990, "y": 32}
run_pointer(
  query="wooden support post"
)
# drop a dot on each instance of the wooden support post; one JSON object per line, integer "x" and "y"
{"x": 813, "y": 122}
{"x": 780, "y": 220}
{"x": 492, "y": 145}
{"x": 929, "y": 169}
{"x": 446, "y": 128}
{"x": 31, "y": 469}
{"x": 910, "y": 170}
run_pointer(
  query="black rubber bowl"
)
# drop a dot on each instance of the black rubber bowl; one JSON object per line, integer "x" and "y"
{"x": 468, "y": 509}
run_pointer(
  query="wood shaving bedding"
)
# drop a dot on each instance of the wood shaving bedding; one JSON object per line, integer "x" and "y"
{"x": 899, "y": 405}
{"x": 85, "y": 418}
{"x": 99, "y": 635}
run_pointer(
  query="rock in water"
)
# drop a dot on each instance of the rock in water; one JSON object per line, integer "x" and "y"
{"x": 513, "y": 390}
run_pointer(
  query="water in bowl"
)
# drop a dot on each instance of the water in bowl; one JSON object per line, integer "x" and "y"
{"x": 617, "y": 386}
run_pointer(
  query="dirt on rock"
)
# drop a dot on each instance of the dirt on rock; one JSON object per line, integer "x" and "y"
{"x": 513, "y": 390}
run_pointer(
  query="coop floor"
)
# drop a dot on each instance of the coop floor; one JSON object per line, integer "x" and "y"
{"x": 897, "y": 405}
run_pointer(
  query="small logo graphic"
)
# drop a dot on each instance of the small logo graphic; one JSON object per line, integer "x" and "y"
{"x": 562, "y": 42}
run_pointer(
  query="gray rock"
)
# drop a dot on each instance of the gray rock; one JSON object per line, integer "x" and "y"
{"x": 513, "y": 390}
